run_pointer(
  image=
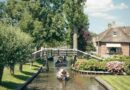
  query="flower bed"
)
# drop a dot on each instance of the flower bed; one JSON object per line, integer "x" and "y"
{"x": 91, "y": 65}
{"x": 115, "y": 67}
{"x": 122, "y": 58}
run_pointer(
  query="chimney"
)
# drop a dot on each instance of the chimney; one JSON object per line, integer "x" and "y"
{"x": 109, "y": 26}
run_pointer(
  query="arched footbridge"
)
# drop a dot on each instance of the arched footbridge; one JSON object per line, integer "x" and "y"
{"x": 62, "y": 52}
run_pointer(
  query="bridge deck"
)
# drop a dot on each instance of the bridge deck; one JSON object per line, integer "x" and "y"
{"x": 58, "y": 51}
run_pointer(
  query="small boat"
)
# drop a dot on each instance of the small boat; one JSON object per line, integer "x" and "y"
{"x": 50, "y": 58}
{"x": 61, "y": 62}
{"x": 62, "y": 75}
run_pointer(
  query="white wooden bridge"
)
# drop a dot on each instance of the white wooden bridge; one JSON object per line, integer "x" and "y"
{"x": 61, "y": 52}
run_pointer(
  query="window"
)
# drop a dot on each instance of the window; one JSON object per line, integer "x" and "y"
{"x": 114, "y": 50}
{"x": 114, "y": 33}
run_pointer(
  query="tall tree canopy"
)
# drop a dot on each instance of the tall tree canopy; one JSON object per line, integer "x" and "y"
{"x": 2, "y": 8}
{"x": 42, "y": 19}
{"x": 48, "y": 21}
{"x": 77, "y": 20}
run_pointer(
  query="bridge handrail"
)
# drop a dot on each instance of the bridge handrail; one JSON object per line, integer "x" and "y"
{"x": 56, "y": 49}
{"x": 52, "y": 49}
{"x": 90, "y": 55}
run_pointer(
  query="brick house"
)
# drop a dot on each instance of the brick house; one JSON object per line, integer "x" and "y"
{"x": 114, "y": 41}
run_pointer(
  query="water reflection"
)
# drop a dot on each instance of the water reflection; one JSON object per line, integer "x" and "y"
{"x": 48, "y": 81}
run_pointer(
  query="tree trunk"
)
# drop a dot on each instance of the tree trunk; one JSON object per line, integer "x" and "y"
{"x": 11, "y": 68}
{"x": 21, "y": 67}
{"x": 1, "y": 72}
{"x": 32, "y": 63}
{"x": 75, "y": 38}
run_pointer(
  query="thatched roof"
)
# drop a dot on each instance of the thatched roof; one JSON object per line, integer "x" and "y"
{"x": 117, "y": 34}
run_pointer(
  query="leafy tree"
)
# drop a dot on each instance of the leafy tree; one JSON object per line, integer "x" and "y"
{"x": 2, "y": 8}
{"x": 15, "y": 47}
{"x": 93, "y": 34}
{"x": 76, "y": 20}
{"x": 42, "y": 19}
{"x": 48, "y": 21}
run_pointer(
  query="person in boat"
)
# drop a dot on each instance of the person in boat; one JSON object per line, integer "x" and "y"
{"x": 58, "y": 61}
{"x": 62, "y": 74}
{"x": 50, "y": 58}
{"x": 64, "y": 60}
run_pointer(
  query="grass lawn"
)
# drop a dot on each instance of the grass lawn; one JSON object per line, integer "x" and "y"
{"x": 118, "y": 82}
{"x": 12, "y": 82}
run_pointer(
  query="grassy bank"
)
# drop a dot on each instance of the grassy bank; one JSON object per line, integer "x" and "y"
{"x": 118, "y": 82}
{"x": 12, "y": 82}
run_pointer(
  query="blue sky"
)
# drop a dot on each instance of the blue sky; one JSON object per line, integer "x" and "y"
{"x": 102, "y": 12}
{"x": 2, "y": 0}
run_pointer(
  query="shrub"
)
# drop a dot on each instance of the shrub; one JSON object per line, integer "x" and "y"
{"x": 115, "y": 67}
{"x": 92, "y": 65}
{"x": 118, "y": 58}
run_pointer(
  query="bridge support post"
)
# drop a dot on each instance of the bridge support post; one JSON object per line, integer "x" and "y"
{"x": 47, "y": 65}
{"x": 58, "y": 52}
{"x": 46, "y": 60}
{"x": 41, "y": 53}
{"x": 51, "y": 53}
{"x": 74, "y": 60}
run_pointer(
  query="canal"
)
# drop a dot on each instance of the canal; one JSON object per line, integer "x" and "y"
{"x": 48, "y": 81}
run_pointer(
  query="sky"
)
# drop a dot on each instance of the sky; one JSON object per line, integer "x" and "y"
{"x": 102, "y": 12}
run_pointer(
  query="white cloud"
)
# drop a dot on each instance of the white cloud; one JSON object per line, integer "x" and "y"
{"x": 119, "y": 23}
{"x": 100, "y": 8}
{"x": 104, "y": 16}
{"x": 103, "y": 5}
{"x": 122, "y": 6}
{"x": 97, "y": 5}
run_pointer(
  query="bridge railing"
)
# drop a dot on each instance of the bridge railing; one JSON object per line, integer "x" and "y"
{"x": 62, "y": 52}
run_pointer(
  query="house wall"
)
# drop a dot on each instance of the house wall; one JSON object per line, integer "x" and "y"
{"x": 125, "y": 49}
{"x": 102, "y": 49}
{"x": 95, "y": 44}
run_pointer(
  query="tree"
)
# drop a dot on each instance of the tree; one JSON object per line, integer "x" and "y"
{"x": 76, "y": 19}
{"x": 42, "y": 19}
{"x": 15, "y": 47}
{"x": 47, "y": 21}
{"x": 2, "y": 8}
{"x": 93, "y": 34}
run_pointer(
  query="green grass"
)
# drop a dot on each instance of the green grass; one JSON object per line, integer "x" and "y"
{"x": 118, "y": 82}
{"x": 10, "y": 82}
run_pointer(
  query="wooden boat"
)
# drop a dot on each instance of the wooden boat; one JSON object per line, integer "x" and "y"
{"x": 50, "y": 58}
{"x": 62, "y": 75}
{"x": 61, "y": 62}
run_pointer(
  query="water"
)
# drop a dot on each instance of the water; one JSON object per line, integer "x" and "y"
{"x": 48, "y": 81}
